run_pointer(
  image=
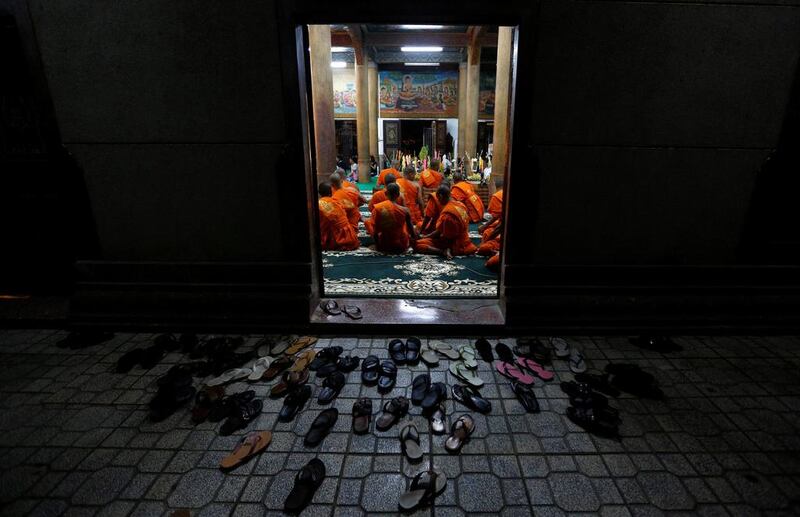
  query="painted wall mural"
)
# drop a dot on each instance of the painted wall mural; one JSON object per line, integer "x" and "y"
{"x": 344, "y": 92}
{"x": 486, "y": 94}
{"x": 418, "y": 94}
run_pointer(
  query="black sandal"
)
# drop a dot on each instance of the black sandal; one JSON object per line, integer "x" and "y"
{"x": 242, "y": 416}
{"x": 435, "y": 395}
{"x": 321, "y": 426}
{"x": 484, "y": 349}
{"x": 397, "y": 351}
{"x": 470, "y": 398}
{"x": 419, "y": 388}
{"x": 362, "y": 415}
{"x": 331, "y": 387}
{"x": 413, "y": 346}
{"x": 369, "y": 370}
{"x": 330, "y": 307}
{"x": 393, "y": 411}
{"x": 526, "y": 397}
{"x": 423, "y": 490}
{"x": 306, "y": 483}
{"x": 294, "y": 402}
{"x": 388, "y": 376}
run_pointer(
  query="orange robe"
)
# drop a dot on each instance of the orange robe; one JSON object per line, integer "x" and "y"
{"x": 384, "y": 172}
{"x": 430, "y": 178}
{"x": 378, "y": 197}
{"x": 345, "y": 198}
{"x": 391, "y": 233}
{"x": 432, "y": 209}
{"x": 410, "y": 194}
{"x": 453, "y": 227}
{"x": 336, "y": 233}
{"x": 496, "y": 204}
{"x": 493, "y": 264}
{"x": 464, "y": 193}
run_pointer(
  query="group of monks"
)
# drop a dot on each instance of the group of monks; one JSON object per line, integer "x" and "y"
{"x": 402, "y": 219}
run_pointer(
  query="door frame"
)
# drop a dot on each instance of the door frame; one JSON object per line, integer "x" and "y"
{"x": 294, "y": 16}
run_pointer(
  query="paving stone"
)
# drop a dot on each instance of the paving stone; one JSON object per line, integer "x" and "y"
{"x": 480, "y": 493}
{"x": 757, "y": 491}
{"x": 103, "y": 486}
{"x": 381, "y": 492}
{"x": 665, "y": 491}
{"x": 573, "y": 492}
{"x": 196, "y": 488}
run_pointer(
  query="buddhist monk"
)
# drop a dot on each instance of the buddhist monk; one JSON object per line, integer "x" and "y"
{"x": 411, "y": 194}
{"x": 431, "y": 177}
{"x": 393, "y": 230}
{"x": 379, "y": 197}
{"x": 463, "y": 192}
{"x": 347, "y": 198}
{"x": 451, "y": 236}
{"x": 335, "y": 231}
{"x": 433, "y": 207}
{"x": 394, "y": 169}
{"x": 493, "y": 264}
{"x": 496, "y": 202}
{"x": 491, "y": 240}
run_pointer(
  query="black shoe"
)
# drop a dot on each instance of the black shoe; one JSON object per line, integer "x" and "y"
{"x": 470, "y": 398}
{"x": 504, "y": 353}
{"x": 369, "y": 370}
{"x": 413, "y": 346}
{"x": 294, "y": 402}
{"x": 484, "y": 349}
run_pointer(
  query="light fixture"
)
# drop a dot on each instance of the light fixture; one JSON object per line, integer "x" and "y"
{"x": 338, "y": 64}
{"x": 422, "y": 27}
{"x": 421, "y": 49}
{"x": 340, "y": 49}
{"x": 421, "y": 64}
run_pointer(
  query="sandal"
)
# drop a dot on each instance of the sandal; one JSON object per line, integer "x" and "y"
{"x": 419, "y": 388}
{"x": 536, "y": 368}
{"x": 533, "y": 348}
{"x": 513, "y": 373}
{"x": 294, "y": 402}
{"x": 250, "y": 445}
{"x": 362, "y": 414}
{"x": 325, "y": 356}
{"x": 347, "y": 363}
{"x": 321, "y": 426}
{"x": 484, "y": 349}
{"x": 468, "y": 357}
{"x": 204, "y": 401}
{"x": 393, "y": 411}
{"x": 434, "y": 396}
{"x": 429, "y": 356}
{"x": 352, "y": 311}
{"x": 413, "y": 346}
{"x": 223, "y": 407}
{"x": 576, "y": 361}
{"x": 560, "y": 347}
{"x": 259, "y": 368}
{"x": 438, "y": 420}
{"x": 289, "y": 381}
{"x": 168, "y": 400}
{"x": 440, "y": 347}
{"x": 330, "y": 307}
{"x": 460, "y": 432}
{"x": 331, "y": 388}
{"x": 470, "y": 398}
{"x": 423, "y": 490}
{"x": 598, "y": 383}
{"x": 230, "y": 376}
{"x": 470, "y": 377}
{"x": 306, "y": 483}
{"x": 388, "y": 376}
{"x": 397, "y": 351}
{"x": 302, "y": 361}
{"x": 277, "y": 367}
{"x": 409, "y": 440}
{"x": 167, "y": 342}
{"x": 526, "y": 397}
{"x": 299, "y": 344}
{"x": 594, "y": 423}
{"x": 280, "y": 345}
{"x": 369, "y": 370}
{"x": 504, "y": 353}
{"x": 242, "y": 415}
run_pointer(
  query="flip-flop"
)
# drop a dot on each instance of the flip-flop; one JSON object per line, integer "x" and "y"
{"x": 409, "y": 440}
{"x": 330, "y": 307}
{"x": 290, "y": 380}
{"x": 460, "y": 432}
{"x": 397, "y": 351}
{"x": 560, "y": 347}
{"x": 369, "y": 370}
{"x": 513, "y": 373}
{"x": 299, "y": 344}
{"x": 294, "y": 402}
{"x": 504, "y": 353}
{"x": 429, "y": 356}
{"x": 250, "y": 445}
{"x": 393, "y": 411}
{"x": 259, "y": 368}
{"x": 423, "y": 490}
{"x": 419, "y": 388}
{"x": 331, "y": 387}
{"x": 321, "y": 426}
{"x": 362, "y": 414}
{"x": 241, "y": 416}
{"x": 484, "y": 349}
{"x": 303, "y": 360}
{"x": 352, "y": 311}
{"x": 438, "y": 420}
{"x": 306, "y": 483}
{"x": 466, "y": 375}
{"x": 434, "y": 396}
{"x": 468, "y": 357}
{"x": 576, "y": 361}
{"x": 204, "y": 401}
{"x": 277, "y": 367}
{"x": 534, "y": 349}
{"x": 230, "y": 376}
{"x": 470, "y": 398}
{"x": 440, "y": 347}
{"x": 536, "y": 368}
{"x": 281, "y": 344}
{"x": 388, "y": 375}
{"x": 526, "y": 397}
{"x": 413, "y": 346}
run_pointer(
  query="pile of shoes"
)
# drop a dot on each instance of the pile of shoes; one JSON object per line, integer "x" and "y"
{"x": 174, "y": 390}
{"x": 590, "y": 410}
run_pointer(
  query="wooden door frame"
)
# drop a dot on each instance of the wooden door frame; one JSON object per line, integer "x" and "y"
{"x": 293, "y": 18}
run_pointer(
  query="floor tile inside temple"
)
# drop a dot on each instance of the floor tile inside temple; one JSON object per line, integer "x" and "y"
{"x": 75, "y": 438}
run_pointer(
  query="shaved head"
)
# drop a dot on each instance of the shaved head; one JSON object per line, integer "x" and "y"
{"x": 392, "y": 191}
{"x": 458, "y": 177}
{"x": 498, "y": 182}
{"x": 336, "y": 179}
{"x": 389, "y": 179}
{"x": 409, "y": 172}
{"x": 325, "y": 189}
{"x": 443, "y": 193}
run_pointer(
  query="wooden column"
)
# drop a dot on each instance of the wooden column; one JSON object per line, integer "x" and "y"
{"x": 502, "y": 103}
{"x": 472, "y": 97}
{"x": 319, "y": 39}
{"x": 462, "y": 107}
{"x": 373, "y": 110}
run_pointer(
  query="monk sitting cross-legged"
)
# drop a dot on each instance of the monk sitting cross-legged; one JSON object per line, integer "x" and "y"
{"x": 431, "y": 177}
{"x": 451, "y": 236}
{"x": 378, "y": 197}
{"x": 492, "y": 231}
{"x": 347, "y": 198}
{"x": 411, "y": 194}
{"x": 335, "y": 231}
{"x": 495, "y": 208}
{"x": 394, "y": 170}
{"x": 433, "y": 207}
{"x": 393, "y": 230}
{"x": 463, "y": 192}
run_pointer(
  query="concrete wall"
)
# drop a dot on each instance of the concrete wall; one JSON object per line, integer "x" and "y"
{"x": 650, "y": 122}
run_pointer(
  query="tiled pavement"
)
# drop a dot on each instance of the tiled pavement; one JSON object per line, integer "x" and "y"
{"x": 75, "y": 440}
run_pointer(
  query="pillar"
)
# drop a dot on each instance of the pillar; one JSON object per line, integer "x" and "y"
{"x": 502, "y": 98}
{"x": 472, "y": 97}
{"x": 462, "y": 107}
{"x": 373, "y": 110}
{"x": 319, "y": 39}
{"x": 362, "y": 116}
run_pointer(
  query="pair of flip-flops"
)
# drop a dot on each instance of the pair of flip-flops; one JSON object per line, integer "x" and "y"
{"x": 275, "y": 345}
{"x": 299, "y": 344}
{"x": 471, "y": 398}
{"x": 332, "y": 308}
{"x": 289, "y": 381}
{"x": 393, "y": 411}
{"x": 573, "y": 355}
{"x": 461, "y": 430}
{"x": 461, "y": 371}
{"x": 382, "y": 373}
{"x": 444, "y": 349}
{"x": 405, "y": 352}
{"x": 249, "y": 446}
{"x": 519, "y": 371}
{"x": 425, "y": 394}
{"x": 423, "y": 489}
{"x": 321, "y": 426}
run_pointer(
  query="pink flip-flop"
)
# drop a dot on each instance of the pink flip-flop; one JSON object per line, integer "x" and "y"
{"x": 535, "y": 367}
{"x": 512, "y": 372}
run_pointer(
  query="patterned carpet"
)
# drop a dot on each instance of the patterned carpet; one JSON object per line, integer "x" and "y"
{"x": 365, "y": 272}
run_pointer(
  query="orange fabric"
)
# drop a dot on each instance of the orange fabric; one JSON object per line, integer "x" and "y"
{"x": 430, "y": 178}
{"x": 494, "y": 263}
{"x": 336, "y": 232}
{"x": 496, "y": 204}
{"x": 344, "y": 197}
{"x": 389, "y": 223}
{"x": 410, "y": 193}
{"x": 489, "y": 229}
{"x": 453, "y": 227}
{"x": 379, "y": 197}
{"x": 489, "y": 248}
{"x": 464, "y": 193}
{"x": 384, "y": 172}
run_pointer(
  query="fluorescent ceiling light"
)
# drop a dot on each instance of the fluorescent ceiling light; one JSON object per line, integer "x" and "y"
{"x": 421, "y": 49}
{"x": 421, "y": 64}
{"x": 422, "y": 27}
{"x": 338, "y": 64}
{"x": 340, "y": 49}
